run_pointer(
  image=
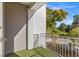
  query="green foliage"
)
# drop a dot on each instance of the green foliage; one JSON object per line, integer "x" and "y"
{"x": 62, "y": 34}
{"x": 74, "y": 42}
{"x": 52, "y": 17}
{"x": 74, "y": 32}
{"x": 76, "y": 20}
{"x": 75, "y": 27}
{"x": 62, "y": 27}
{"x": 69, "y": 27}
{"x": 56, "y": 15}
{"x": 57, "y": 32}
{"x": 64, "y": 30}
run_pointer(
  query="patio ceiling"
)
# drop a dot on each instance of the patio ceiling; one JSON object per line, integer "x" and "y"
{"x": 27, "y": 3}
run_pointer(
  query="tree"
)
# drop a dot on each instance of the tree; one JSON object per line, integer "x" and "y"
{"x": 76, "y": 21}
{"x": 69, "y": 27}
{"x": 74, "y": 32}
{"x": 53, "y": 16}
{"x": 56, "y": 15}
{"x": 62, "y": 27}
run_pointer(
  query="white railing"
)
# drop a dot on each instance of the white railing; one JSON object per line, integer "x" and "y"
{"x": 65, "y": 46}
{"x": 39, "y": 40}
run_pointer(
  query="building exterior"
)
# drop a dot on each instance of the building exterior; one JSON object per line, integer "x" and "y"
{"x": 22, "y": 26}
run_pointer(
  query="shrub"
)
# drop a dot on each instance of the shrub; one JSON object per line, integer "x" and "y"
{"x": 61, "y": 33}
{"x": 74, "y": 32}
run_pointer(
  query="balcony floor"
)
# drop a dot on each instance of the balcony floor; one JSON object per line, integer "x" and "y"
{"x": 36, "y": 52}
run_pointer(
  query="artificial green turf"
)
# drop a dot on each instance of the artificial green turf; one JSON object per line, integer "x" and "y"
{"x": 36, "y": 52}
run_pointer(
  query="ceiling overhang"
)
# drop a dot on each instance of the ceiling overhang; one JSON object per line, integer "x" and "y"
{"x": 27, "y": 3}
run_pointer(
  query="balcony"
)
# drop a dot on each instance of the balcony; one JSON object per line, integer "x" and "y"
{"x": 36, "y": 52}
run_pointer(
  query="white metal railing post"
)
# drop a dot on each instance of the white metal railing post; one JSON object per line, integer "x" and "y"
{"x": 71, "y": 50}
{"x": 76, "y": 48}
{"x": 65, "y": 50}
{"x": 68, "y": 51}
{"x": 62, "y": 48}
{"x": 57, "y": 46}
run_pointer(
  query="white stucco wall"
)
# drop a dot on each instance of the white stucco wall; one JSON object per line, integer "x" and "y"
{"x": 37, "y": 25}
{"x": 20, "y": 39}
{"x": 1, "y": 31}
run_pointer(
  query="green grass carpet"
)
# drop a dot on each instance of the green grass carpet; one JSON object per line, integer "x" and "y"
{"x": 36, "y": 52}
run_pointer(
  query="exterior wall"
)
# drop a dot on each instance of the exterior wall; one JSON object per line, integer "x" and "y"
{"x": 15, "y": 26}
{"x": 1, "y": 31}
{"x": 40, "y": 24}
{"x": 37, "y": 25}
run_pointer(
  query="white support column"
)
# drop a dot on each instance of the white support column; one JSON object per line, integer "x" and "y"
{"x": 37, "y": 24}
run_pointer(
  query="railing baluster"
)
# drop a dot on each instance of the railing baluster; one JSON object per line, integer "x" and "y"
{"x": 71, "y": 50}
{"x": 65, "y": 50}
{"x": 57, "y": 46}
{"x": 68, "y": 50}
{"x": 76, "y": 48}
{"x": 59, "y": 49}
{"x": 62, "y": 48}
